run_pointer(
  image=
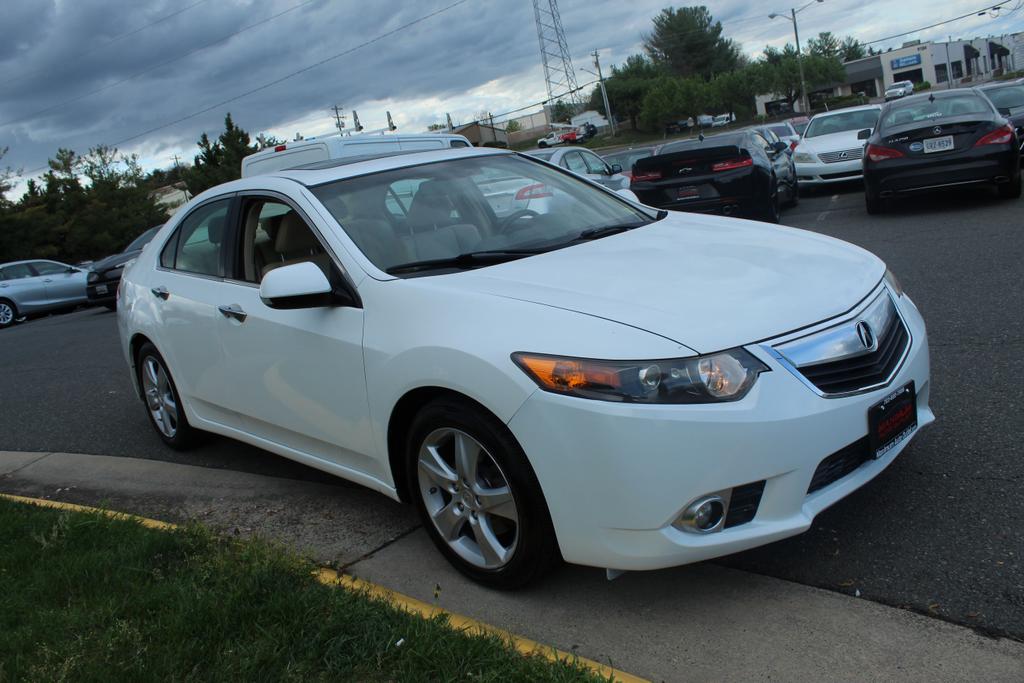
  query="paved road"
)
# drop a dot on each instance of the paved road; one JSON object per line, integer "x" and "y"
{"x": 941, "y": 532}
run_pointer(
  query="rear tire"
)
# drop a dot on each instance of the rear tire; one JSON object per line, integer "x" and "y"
{"x": 873, "y": 203}
{"x": 163, "y": 403}
{"x": 503, "y": 540}
{"x": 1010, "y": 190}
{"x": 8, "y": 313}
{"x": 771, "y": 212}
{"x": 542, "y": 145}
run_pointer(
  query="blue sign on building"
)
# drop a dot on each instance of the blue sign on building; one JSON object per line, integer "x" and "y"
{"x": 908, "y": 60}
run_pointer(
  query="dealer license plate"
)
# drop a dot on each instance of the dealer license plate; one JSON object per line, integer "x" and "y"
{"x": 943, "y": 144}
{"x": 892, "y": 420}
{"x": 687, "y": 193}
{"x": 101, "y": 289}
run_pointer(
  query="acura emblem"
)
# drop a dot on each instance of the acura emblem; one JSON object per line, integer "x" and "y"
{"x": 866, "y": 336}
{"x": 937, "y": 129}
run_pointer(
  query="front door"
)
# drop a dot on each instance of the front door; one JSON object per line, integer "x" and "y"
{"x": 296, "y": 375}
{"x": 62, "y": 285}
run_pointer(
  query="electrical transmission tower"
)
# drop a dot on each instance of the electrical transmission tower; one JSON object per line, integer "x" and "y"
{"x": 554, "y": 52}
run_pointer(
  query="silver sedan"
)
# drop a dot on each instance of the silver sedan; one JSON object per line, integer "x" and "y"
{"x": 31, "y": 287}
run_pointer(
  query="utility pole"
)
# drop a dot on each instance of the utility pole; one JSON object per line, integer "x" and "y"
{"x": 338, "y": 119}
{"x": 604, "y": 92}
{"x": 451, "y": 128}
{"x": 355, "y": 121}
{"x": 949, "y": 67}
{"x": 804, "y": 102}
{"x": 176, "y": 164}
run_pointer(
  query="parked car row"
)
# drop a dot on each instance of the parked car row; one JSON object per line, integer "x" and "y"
{"x": 38, "y": 287}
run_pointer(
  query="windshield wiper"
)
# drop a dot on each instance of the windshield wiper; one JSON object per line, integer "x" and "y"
{"x": 607, "y": 230}
{"x": 470, "y": 259}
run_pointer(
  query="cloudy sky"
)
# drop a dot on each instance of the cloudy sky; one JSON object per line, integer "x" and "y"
{"x": 75, "y": 73}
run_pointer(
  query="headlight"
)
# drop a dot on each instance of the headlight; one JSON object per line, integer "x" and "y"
{"x": 715, "y": 378}
{"x": 803, "y": 158}
{"x": 894, "y": 284}
{"x": 93, "y": 276}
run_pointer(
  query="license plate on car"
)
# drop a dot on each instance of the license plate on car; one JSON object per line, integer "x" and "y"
{"x": 943, "y": 144}
{"x": 892, "y": 420}
{"x": 687, "y": 193}
{"x": 101, "y": 289}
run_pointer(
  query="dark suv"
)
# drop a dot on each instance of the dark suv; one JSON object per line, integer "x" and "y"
{"x": 105, "y": 276}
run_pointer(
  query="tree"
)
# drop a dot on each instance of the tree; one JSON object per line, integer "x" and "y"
{"x": 851, "y": 49}
{"x": 825, "y": 45}
{"x": 688, "y": 42}
{"x": 437, "y": 126}
{"x": 220, "y": 160}
{"x": 782, "y": 71}
{"x": 513, "y": 126}
{"x": 735, "y": 91}
{"x": 674, "y": 99}
{"x": 627, "y": 86}
{"x": 7, "y": 175}
{"x": 562, "y": 112}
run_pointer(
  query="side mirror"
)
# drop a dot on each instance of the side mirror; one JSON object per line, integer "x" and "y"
{"x": 1005, "y": 111}
{"x": 71, "y": 269}
{"x": 864, "y": 134}
{"x": 300, "y": 285}
{"x": 628, "y": 194}
{"x": 616, "y": 168}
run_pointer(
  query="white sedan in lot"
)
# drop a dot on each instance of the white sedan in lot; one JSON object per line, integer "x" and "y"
{"x": 591, "y": 380}
{"x": 830, "y": 150}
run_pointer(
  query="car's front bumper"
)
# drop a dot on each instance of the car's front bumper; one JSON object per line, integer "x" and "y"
{"x": 616, "y": 476}
{"x": 818, "y": 173}
{"x": 102, "y": 292}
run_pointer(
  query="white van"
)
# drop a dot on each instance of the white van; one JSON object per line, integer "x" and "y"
{"x": 311, "y": 150}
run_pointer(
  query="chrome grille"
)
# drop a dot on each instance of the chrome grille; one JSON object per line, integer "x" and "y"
{"x": 841, "y": 155}
{"x": 860, "y": 354}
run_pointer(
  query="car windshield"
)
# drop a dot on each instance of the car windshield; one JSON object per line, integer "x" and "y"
{"x": 933, "y": 109}
{"x": 799, "y": 127}
{"x": 1007, "y": 96}
{"x": 142, "y": 240}
{"x": 541, "y": 154}
{"x": 491, "y": 203}
{"x": 826, "y": 124}
{"x": 781, "y": 131}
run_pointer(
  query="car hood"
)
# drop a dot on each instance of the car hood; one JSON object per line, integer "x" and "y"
{"x": 114, "y": 260}
{"x": 832, "y": 142}
{"x": 706, "y": 282}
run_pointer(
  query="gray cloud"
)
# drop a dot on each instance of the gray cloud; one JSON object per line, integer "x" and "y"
{"x": 441, "y": 65}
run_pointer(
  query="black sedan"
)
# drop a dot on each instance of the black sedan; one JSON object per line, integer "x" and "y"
{"x": 940, "y": 140}
{"x": 1008, "y": 99}
{"x": 105, "y": 275}
{"x": 737, "y": 173}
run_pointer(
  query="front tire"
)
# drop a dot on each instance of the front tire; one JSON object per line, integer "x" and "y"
{"x": 163, "y": 403}
{"x": 8, "y": 313}
{"x": 477, "y": 495}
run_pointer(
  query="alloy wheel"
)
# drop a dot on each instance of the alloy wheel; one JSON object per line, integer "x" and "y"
{"x": 468, "y": 498}
{"x": 6, "y": 314}
{"x": 156, "y": 386}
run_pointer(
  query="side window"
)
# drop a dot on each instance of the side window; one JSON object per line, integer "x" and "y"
{"x": 574, "y": 162}
{"x": 197, "y": 246}
{"x": 16, "y": 272}
{"x": 49, "y": 267}
{"x": 460, "y": 143}
{"x": 760, "y": 141}
{"x": 275, "y": 235}
{"x": 594, "y": 164}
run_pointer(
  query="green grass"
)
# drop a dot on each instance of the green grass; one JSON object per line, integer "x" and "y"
{"x": 84, "y": 597}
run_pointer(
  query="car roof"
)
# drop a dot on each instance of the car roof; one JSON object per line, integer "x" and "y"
{"x": 1001, "y": 84}
{"x": 859, "y": 107}
{"x": 958, "y": 92}
{"x": 730, "y": 138}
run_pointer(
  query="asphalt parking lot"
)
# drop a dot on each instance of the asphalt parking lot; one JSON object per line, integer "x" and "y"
{"x": 941, "y": 532}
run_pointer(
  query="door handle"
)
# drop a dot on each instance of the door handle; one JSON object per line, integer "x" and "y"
{"x": 233, "y": 311}
{"x": 160, "y": 292}
{"x": 48, "y": 280}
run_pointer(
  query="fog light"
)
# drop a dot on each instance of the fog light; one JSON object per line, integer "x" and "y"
{"x": 703, "y": 516}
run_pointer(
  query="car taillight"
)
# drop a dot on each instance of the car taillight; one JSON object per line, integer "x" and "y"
{"x": 645, "y": 177}
{"x": 792, "y": 146}
{"x": 535, "y": 191}
{"x": 280, "y": 148}
{"x": 1000, "y": 136}
{"x": 878, "y": 153}
{"x": 730, "y": 164}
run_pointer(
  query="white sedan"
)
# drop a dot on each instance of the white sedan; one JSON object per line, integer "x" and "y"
{"x": 591, "y": 380}
{"x": 832, "y": 146}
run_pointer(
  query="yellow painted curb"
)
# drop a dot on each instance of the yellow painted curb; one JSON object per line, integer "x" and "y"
{"x": 332, "y": 578}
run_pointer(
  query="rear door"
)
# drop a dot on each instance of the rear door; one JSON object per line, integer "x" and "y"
{"x": 187, "y": 287}
{"x": 20, "y": 283}
{"x": 600, "y": 172}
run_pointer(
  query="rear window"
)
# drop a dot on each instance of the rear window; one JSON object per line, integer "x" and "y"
{"x": 713, "y": 141}
{"x": 827, "y": 124}
{"x": 929, "y": 109}
{"x": 781, "y": 131}
{"x": 1007, "y": 97}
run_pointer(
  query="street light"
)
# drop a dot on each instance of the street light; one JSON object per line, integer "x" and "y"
{"x": 804, "y": 103}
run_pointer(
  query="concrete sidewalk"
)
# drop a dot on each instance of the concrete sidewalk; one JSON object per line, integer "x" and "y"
{"x": 691, "y": 623}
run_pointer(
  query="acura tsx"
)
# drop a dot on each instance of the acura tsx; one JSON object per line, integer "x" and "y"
{"x": 587, "y": 379}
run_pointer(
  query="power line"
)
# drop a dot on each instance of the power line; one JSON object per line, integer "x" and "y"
{"x": 109, "y": 42}
{"x": 276, "y": 81}
{"x": 925, "y": 28}
{"x": 159, "y": 65}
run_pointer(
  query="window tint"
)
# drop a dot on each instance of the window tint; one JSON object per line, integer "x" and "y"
{"x": 16, "y": 272}
{"x": 934, "y": 109}
{"x": 276, "y": 235}
{"x": 197, "y": 246}
{"x": 1008, "y": 97}
{"x": 781, "y": 130}
{"x": 594, "y": 165}
{"x": 574, "y": 162}
{"x": 826, "y": 124}
{"x": 460, "y": 143}
{"x": 49, "y": 267}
